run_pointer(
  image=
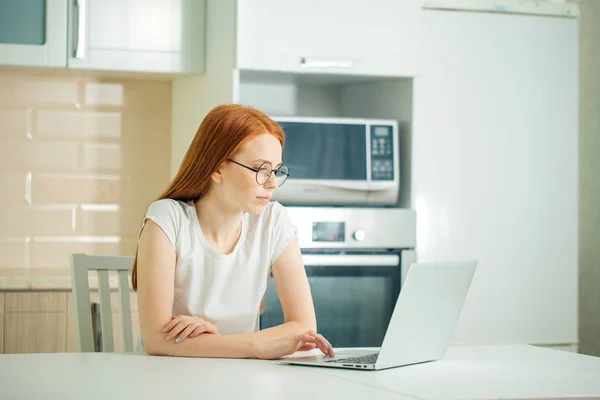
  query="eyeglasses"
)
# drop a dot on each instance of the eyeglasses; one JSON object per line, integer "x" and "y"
{"x": 263, "y": 173}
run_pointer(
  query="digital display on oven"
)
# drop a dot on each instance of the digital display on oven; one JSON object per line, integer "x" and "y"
{"x": 328, "y": 231}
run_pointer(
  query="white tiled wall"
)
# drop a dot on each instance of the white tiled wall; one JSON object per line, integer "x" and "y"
{"x": 80, "y": 160}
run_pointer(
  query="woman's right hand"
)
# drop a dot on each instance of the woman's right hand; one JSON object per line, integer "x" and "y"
{"x": 275, "y": 348}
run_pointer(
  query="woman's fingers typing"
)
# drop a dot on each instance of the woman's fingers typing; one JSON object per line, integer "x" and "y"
{"x": 274, "y": 348}
{"x": 322, "y": 343}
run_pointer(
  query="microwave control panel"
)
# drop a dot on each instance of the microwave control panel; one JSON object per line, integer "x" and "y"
{"x": 382, "y": 153}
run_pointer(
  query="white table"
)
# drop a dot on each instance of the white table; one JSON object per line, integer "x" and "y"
{"x": 490, "y": 372}
{"x": 115, "y": 376}
{"x": 469, "y": 372}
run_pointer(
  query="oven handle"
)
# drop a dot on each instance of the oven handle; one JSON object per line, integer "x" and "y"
{"x": 345, "y": 260}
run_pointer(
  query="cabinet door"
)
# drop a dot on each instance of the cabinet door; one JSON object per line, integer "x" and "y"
{"x": 137, "y": 35}
{"x": 33, "y": 33}
{"x": 35, "y": 322}
{"x": 377, "y": 37}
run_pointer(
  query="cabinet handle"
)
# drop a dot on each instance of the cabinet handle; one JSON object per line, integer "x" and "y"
{"x": 80, "y": 38}
{"x": 325, "y": 63}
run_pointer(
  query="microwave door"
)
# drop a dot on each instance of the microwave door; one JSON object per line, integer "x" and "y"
{"x": 325, "y": 151}
{"x": 328, "y": 164}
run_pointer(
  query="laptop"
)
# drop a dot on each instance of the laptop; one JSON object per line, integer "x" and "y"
{"x": 422, "y": 323}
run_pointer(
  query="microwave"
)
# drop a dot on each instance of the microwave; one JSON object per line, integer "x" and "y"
{"x": 340, "y": 161}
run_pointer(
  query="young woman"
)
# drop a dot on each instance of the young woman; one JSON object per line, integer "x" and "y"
{"x": 208, "y": 245}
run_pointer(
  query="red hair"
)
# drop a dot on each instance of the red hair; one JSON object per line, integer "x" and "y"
{"x": 222, "y": 132}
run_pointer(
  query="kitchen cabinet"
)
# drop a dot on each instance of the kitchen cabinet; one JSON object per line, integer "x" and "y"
{"x": 163, "y": 36}
{"x": 159, "y": 36}
{"x": 379, "y": 37}
{"x": 33, "y": 33}
{"x": 35, "y": 322}
{"x": 43, "y": 321}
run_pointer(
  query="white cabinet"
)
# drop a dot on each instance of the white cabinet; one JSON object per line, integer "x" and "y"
{"x": 376, "y": 37}
{"x": 137, "y": 35}
{"x": 33, "y": 33}
{"x": 163, "y": 36}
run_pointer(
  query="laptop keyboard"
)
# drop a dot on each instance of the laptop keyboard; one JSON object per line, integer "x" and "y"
{"x": 367, "y": 359}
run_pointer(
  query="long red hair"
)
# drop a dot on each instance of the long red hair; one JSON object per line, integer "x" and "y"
{"x": 222, "y": 132}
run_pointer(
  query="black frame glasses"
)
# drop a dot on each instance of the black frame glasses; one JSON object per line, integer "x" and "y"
{"x": 281, "y": 172}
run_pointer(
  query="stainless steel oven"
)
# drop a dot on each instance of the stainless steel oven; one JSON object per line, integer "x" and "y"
{"x": 355, "y": 260}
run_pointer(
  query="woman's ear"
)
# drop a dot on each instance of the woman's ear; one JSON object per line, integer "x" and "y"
{"x": 217, "y": 176}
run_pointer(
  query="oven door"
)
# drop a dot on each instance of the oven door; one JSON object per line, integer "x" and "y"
{"x": 354, "y": 296}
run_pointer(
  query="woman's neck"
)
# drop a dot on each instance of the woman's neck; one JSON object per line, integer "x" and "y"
{"x": 220, "y": 225}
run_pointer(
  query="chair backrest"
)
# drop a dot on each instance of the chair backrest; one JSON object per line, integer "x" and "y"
{"x": 80, "y": 265}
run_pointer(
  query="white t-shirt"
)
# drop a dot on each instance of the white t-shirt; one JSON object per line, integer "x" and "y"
{"x": 225, "y": 289}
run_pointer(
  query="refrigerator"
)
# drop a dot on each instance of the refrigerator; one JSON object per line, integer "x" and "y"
{"x": 494, "y": 170}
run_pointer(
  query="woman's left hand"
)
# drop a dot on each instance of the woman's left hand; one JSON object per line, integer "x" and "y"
{"x": 184, "y": 326}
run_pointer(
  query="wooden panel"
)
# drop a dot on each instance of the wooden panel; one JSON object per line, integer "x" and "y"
{"x": 36, "y": 302}
{"x": 115, "y": 305}
{"x": 35, "y": 332}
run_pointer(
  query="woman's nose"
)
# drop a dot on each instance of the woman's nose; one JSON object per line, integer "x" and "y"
{"x": 271, "y": 182}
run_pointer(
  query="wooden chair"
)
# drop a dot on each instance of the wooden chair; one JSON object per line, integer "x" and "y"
{"x": 80, "y": 265}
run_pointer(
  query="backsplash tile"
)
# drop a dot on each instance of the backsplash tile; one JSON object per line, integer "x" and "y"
{"x": 13, "y": 253}
{"x": 25, "y": 221}
{"x": 108, "y": 220}
{"x": 81, "y": 158}
{"x": 102, "y": 157}
{"x": 28, "y": 90}
{"x": 78, "y": 124}
{"x": 36, "y": 156}
{"x": 145, "y": 126}
{"x": 75, "y": 188}
{"x": 55, "y": 252}
{"x": 15, "y": 122}
{"x": 14, "y": 187}
{"x": 103, "y": 94}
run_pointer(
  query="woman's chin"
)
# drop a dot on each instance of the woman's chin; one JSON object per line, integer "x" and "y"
{"x": 256, "y": 207}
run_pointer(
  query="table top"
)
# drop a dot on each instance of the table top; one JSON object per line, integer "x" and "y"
{"x": 466, "y": 372}
{"x": 62, "y": 376}
{"x": 490, "y": 372}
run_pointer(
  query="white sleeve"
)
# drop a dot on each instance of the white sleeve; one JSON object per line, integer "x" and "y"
{"x": 166, "y": 214}
{"x": 282, "y": 229}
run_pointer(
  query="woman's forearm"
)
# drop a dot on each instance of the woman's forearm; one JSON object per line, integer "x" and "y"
{"x": 244, "y": 345}
{"x": 289, "y": 328}
{"x": 206, "y": 345}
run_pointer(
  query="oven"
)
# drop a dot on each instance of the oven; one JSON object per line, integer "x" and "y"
{"x": 355, "y": 260}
